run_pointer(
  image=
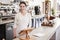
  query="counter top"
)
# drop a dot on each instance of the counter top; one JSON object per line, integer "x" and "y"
{"x": 44, "y": 33}
{"x": 6, "y": 21}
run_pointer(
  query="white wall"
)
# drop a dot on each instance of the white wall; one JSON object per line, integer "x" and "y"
{"x": 37, "y": 2}
{"x": 58, "y": 1}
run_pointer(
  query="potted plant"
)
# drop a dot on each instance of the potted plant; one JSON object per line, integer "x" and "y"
{"x": 53, "y": 12}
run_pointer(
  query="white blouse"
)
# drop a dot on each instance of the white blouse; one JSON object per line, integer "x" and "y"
{"x": 22, "y": 22}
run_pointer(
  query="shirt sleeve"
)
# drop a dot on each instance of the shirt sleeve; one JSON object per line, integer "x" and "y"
{"x": 15, "y": 21}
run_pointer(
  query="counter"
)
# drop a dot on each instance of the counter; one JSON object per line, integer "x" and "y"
{"x": 6, "y": 29}
{"x": 6, "y": 21}
{"x": 44, "y": 33}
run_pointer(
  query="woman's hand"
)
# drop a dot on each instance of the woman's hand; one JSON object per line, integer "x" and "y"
{"x": 14, "y": 32}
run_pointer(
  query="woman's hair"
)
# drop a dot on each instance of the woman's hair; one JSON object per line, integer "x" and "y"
{"x": 22, "y": 2}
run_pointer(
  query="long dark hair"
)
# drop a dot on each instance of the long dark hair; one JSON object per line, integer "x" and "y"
{"x": 22, "y": 2}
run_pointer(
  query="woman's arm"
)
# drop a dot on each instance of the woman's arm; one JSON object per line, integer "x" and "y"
{"x": 15, "y": 26}
{"x": 14, "y": 32}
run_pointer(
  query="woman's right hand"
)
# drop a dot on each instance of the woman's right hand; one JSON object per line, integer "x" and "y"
{"x": 14, "y": 32}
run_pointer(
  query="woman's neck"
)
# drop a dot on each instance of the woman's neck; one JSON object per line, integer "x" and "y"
{"x": 23, "y": 12}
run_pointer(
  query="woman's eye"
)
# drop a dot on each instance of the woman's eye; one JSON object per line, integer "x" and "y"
{"x": 20, "y": 6}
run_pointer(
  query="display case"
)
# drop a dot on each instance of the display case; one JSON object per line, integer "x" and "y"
{"x": 6, "y": 31}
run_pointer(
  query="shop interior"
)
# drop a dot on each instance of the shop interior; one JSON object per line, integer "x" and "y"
{"x": 45, "y": 22}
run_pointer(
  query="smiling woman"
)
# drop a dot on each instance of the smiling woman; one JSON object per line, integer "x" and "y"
{"x": 22, "y": 19}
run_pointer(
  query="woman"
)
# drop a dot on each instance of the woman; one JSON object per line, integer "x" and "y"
{"x": 22, "y": 19}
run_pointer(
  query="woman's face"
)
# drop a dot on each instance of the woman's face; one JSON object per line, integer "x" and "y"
{"x": 22, "y": 6}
